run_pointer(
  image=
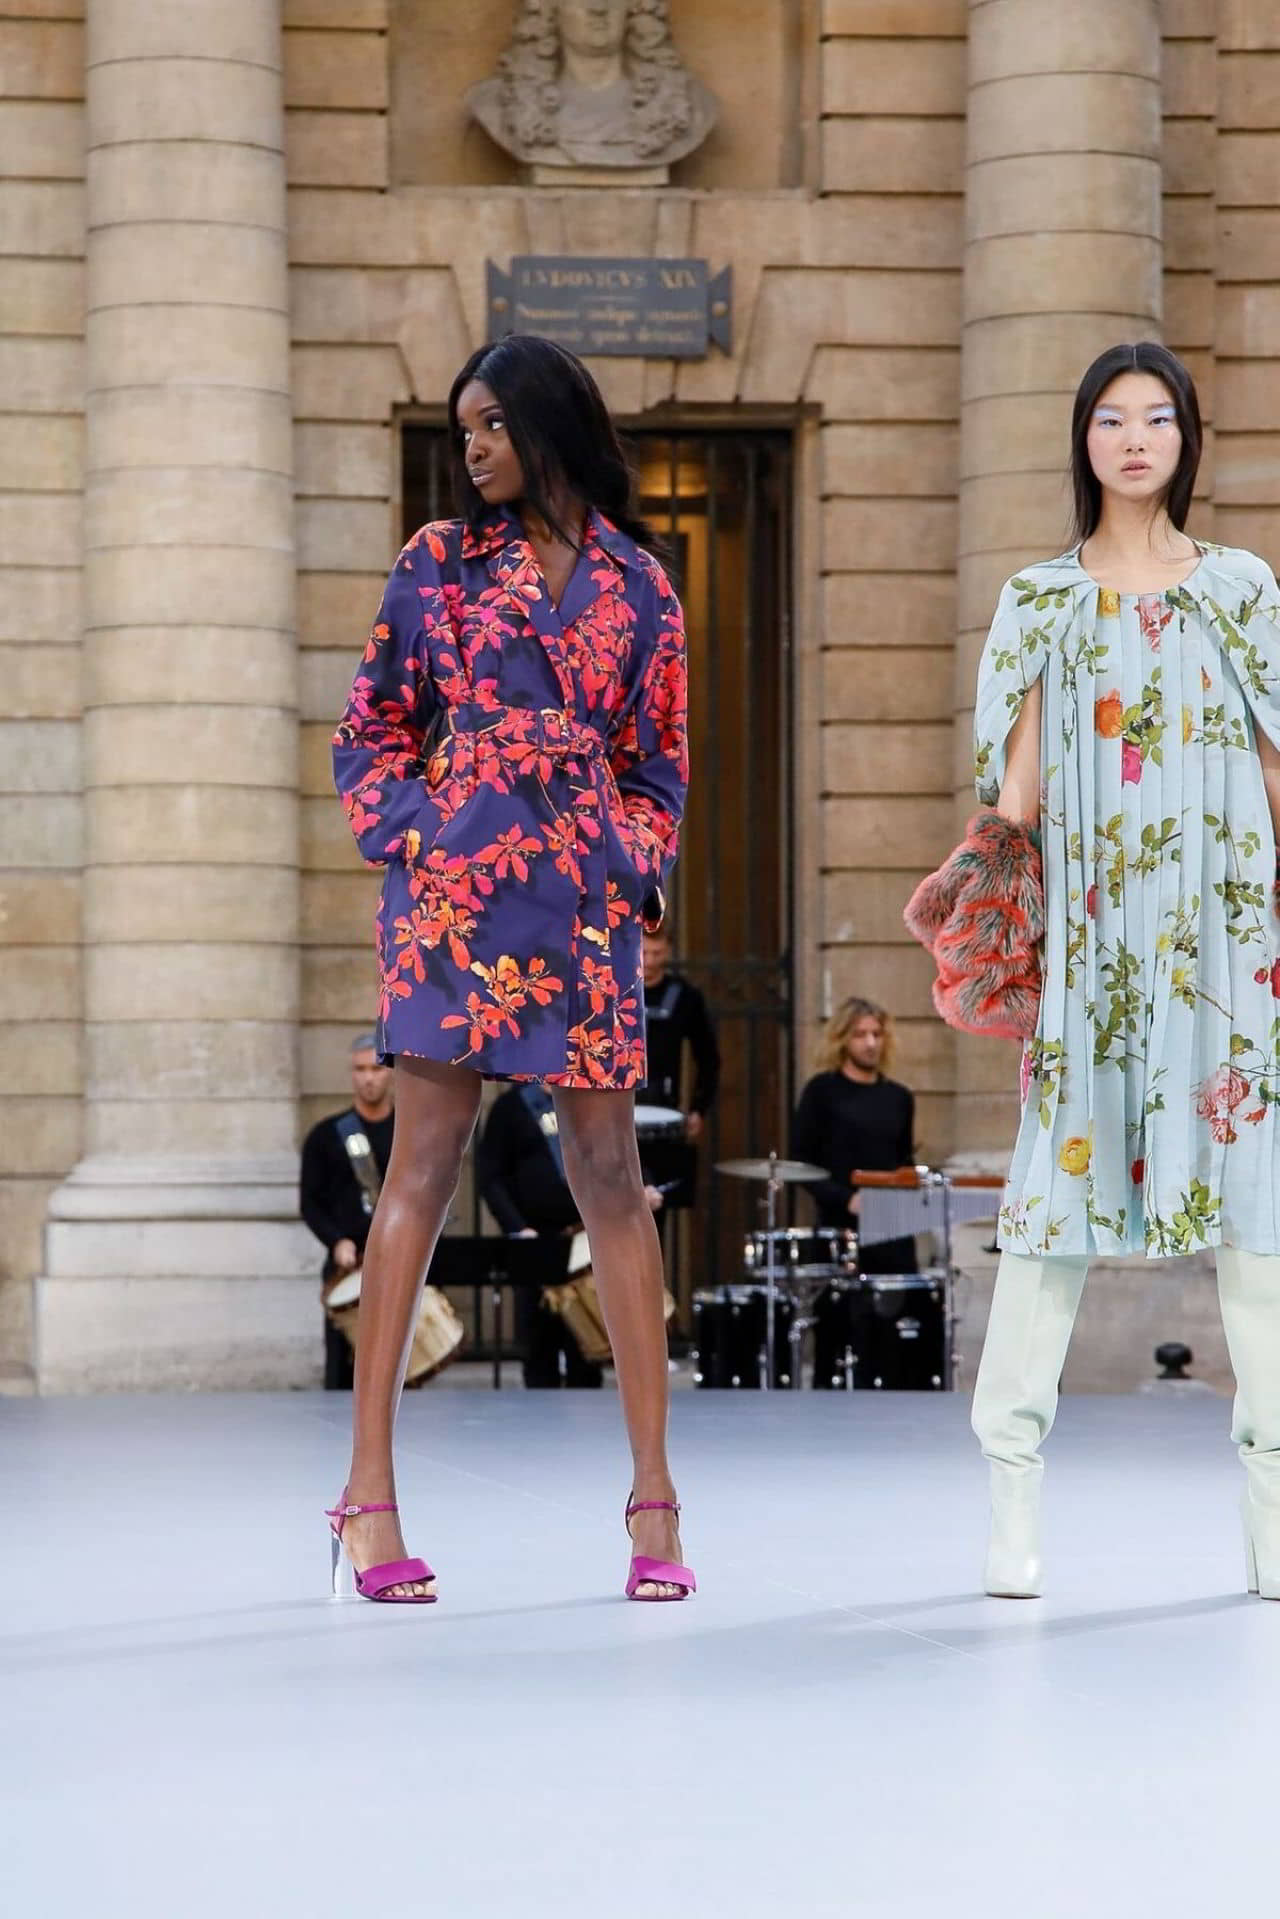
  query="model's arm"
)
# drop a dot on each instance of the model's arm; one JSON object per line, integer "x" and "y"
{"x": 649, "y": 754}
{"x": 377, "y": 749}
{"x": 1020, "y": 791}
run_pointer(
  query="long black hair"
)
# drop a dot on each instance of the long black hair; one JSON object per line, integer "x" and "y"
{"x": 560, "y": 429}
{"x": 1144, "y": 356}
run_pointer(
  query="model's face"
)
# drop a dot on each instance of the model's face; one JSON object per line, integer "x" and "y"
{"x": 491, "y": 459}
{"x": 1134, "y": 439}
{"x": 657, "y": 957}
{"x": 864, "y": 1043}
{"x": 370, "y": 1082}
{"x": 593, "y": 26}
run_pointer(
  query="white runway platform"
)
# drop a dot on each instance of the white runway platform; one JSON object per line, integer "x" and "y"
{"x": 837, "y": 1724}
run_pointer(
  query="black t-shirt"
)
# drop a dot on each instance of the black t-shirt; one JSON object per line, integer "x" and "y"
{"x": 841, "y": 1123}
{"x": 516, "y": 1168}
{"x": 330, "y": 1195}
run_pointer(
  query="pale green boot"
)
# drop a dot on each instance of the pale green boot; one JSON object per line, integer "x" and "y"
{"x": 1033, "y": 1310}
{"x": 1249, "y": 1295}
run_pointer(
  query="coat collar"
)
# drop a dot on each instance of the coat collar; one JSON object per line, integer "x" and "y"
{"x": 502, "y": 529}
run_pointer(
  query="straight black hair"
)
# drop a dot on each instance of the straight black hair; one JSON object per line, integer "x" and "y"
{"x": 1144, "y": 356}
{"x": 560, "y": 428}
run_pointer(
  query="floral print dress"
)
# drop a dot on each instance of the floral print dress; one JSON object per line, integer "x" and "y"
{"x": 520, "y": 770}
{"x": 1150, "y": 1090}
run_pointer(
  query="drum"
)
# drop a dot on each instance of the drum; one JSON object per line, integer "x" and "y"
{"x": 801, "y": 1252}
{"x": 436, "y": 1337}
{"x": 883, "y": 1332}
{"x": 658, "y": 1123}
{"x": 729, "y": 1329}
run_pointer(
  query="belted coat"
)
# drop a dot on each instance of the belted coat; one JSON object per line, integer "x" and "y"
{"x": 520, "y": 770}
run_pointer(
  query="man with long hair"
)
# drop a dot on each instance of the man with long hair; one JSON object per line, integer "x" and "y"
{"x": 851, "y": 1114}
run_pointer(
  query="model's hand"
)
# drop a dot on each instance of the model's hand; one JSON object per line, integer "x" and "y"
{"x": 345, "y": 1256}
{"x": 654, "y": 1198}
{"x": 855, "y": 1201}
{"x": 526, "y": 1232}
{"x": 692, "y": 1126}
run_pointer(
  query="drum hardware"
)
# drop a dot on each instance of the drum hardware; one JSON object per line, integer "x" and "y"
{"x": 774, "y": 1173}
{"x": 916, "y": 1199}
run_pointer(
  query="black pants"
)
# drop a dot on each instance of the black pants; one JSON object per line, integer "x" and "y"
{"x": 339, "y": 1360}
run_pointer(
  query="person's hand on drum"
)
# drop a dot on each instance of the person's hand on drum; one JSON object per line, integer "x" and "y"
{"x": 526, "y": 1232}
{"x": 654, "y": 1197}
{"x": 693, "y": 1127}
{"x": 345, "y": 1256}
{"x": 855, "y": 1202}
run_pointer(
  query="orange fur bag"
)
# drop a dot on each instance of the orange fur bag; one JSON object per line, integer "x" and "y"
{"x": 981, "y": 915}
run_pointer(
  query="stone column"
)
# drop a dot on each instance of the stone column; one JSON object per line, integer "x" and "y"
{"x": 173, "y": 1254}
{"x": 1063, "y": 258}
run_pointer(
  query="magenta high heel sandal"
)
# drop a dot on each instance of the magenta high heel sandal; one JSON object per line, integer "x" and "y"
{"x": 657, "y": 1572}
{"x": 375, "y": 1582}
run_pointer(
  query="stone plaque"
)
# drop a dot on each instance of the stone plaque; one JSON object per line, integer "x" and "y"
{"x": 652, "y": 309}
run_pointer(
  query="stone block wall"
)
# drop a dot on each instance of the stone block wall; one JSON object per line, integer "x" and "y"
{"x": 42, "y": 382}
{"x": 840, "y": 188}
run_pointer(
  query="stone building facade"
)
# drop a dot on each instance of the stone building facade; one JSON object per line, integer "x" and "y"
{"x": 241, "y": 244}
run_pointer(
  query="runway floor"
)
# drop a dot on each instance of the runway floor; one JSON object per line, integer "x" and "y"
{"x": 838, "y": 1724}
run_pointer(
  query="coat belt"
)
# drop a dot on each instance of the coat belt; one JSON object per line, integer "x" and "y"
{"x": 548, "y": 728}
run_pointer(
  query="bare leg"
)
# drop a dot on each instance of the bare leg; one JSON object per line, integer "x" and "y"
{"x": 436, "y": 1109}
{"x": 598, "y": 1138}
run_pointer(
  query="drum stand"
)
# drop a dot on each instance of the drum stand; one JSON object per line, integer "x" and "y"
{"x": 773, "y": 1186}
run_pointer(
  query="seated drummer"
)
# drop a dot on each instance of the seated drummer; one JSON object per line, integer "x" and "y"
{"x": 520, "y": 1169}
{"x": 850, "y": 1114}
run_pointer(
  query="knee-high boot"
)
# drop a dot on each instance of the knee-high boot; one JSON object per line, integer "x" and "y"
{"x": 1249, "y": 1295}
{"x": 1033, "y": 1310}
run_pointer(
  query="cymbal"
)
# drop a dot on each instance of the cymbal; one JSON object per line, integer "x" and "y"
{"x": 783, "y": 1169}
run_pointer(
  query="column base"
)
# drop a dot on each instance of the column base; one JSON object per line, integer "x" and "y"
{"x": 178, "y": 1274}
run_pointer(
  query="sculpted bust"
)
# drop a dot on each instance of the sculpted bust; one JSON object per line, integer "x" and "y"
{"x": 593, "y": 84}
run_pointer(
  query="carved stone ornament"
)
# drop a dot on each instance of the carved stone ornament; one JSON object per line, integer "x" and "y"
{"x": 587, "y": 87}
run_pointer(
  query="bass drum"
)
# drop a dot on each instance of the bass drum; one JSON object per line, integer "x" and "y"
{"x": 884, "y": 1332}
{"x": 729, "y": 1333}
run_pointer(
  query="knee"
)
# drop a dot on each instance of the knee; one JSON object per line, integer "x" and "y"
{"x": 426, "y": 1178}
{"x": 605, "y": 1172}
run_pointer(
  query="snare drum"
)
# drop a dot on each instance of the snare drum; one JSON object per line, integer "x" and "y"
{"x": 437, "y": 1334}
{"x": 818, "y": 1252}
{"x": 729, "y": 1329}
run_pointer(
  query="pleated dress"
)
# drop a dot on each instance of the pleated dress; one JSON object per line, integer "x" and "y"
{"x": 1151, "y": 1085}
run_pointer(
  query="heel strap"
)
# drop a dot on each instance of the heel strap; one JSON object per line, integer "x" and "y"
{"x": 653, "y": 1506}
{"x": 350, "y": 1512}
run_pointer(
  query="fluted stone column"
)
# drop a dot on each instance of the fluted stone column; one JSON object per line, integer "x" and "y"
{"x": 1063, "y": 258}
{"x": 172, "y": 1254}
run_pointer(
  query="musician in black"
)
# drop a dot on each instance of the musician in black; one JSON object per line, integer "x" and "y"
{"x": 676, "y": 1016}
{"x": 331, "y": 1198}
{"x": 851, "y": 1114}
{"x": 520, "y": 1169}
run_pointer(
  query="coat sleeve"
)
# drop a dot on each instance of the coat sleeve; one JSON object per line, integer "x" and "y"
{"x": 378, "y": 747}
{"x": 1012, "y": 661}
{"x": 650, "y": 751}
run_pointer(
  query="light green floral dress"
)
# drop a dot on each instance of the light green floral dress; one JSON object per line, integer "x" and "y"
{"x": 1151, "y": 1087}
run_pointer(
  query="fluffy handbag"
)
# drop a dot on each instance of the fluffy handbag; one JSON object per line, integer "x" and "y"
{"x": 981, "y": 915}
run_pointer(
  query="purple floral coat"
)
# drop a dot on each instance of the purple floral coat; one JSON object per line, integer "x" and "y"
{"x": 520, "y": 771}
